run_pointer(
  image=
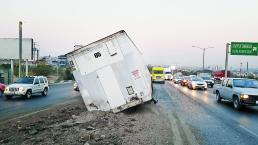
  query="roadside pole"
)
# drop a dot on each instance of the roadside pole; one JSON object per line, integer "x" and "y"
{"x": 11, "y": 71}
{"x": 20, "y": 47}
{"x": 26, "y": 74}
{"x": 226, "y": 61}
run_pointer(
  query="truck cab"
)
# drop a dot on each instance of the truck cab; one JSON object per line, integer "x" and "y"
{"x": 157, "y": 74}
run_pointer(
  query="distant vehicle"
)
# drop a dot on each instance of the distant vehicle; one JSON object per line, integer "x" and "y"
{"x": 157, "y": 74}
{"x": 2, "y": 88}
{"x": 168, "y": 76}
{"x": 192, "y": 76}
{"x": 209, "y": 81}
{"x": 177, "y": 79}
{"x": 242, "y": 92}
{"x": 218, "y": 75}
{"x": 197, "y": 83}
{"x": 185, "y": 80}
{"x": 27, "y": 86}
{"x": 75, "y": 87}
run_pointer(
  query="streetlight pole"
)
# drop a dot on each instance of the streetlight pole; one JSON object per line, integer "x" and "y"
{"x": 203, "y": 54}
{"x": 20, "y": 47}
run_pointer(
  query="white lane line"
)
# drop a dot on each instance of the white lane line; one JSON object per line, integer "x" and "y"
{"x": 251, "y": 132}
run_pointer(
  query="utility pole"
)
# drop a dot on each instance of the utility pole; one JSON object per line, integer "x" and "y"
{"x": 203, "y": 54}
{"x": 20, "y": 47}
{"x": 241, "y": 64}
{"x": 226, "y": 61}
{"x": 247, "y": 67}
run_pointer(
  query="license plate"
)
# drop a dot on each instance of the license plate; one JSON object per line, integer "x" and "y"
{"x": 158, "y": 77}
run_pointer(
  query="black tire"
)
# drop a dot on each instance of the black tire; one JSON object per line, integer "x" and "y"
{"x": 8, "y": 97}
{"x": 28, "y": 94}
{"x": 218, "y": 97}
{"x": 45, "y": 92}
{"x": 236, "y": 103}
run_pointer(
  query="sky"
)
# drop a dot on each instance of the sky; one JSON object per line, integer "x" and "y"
{"x": 164, "y": 30}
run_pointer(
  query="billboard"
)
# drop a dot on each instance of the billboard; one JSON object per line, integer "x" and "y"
{"x": 9, "y": 48}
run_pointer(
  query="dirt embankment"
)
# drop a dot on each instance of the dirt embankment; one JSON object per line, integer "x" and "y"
{"x": 71, "y": 124}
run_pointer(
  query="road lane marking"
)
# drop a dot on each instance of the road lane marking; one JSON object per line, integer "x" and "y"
{"x": 249, "y": 131}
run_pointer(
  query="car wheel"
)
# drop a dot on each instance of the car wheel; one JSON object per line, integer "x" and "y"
{"x": 45, "y": 92}
{"x": 28, "y": 94}
{"x": 218, "y": 97}
{"x": 236, "y": 103}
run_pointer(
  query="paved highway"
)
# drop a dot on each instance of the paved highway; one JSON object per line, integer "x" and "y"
{"x": 19, "y": 106}
{"x": 214, "y": 123}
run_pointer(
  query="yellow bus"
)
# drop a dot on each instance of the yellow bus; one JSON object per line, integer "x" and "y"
{"x": 157, "y": 74}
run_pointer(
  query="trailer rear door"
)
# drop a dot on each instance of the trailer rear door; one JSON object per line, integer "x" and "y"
{"x": 111, "y": 87}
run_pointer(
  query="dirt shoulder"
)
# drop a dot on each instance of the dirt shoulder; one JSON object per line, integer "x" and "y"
{"x": 70, "y": 123}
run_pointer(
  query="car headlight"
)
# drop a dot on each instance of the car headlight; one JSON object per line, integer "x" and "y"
{"x": 205, "y": 84}
{"x": 244, "y": 96}
{"x": 21, "y": 89}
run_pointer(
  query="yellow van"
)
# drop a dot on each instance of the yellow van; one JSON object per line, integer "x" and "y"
{"x": 157, "y": 74}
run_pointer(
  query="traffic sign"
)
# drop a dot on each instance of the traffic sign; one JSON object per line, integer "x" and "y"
{"x": 244, "y": 48}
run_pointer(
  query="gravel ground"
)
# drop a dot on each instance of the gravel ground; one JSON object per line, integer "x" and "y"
{"x": 70, "y": 123}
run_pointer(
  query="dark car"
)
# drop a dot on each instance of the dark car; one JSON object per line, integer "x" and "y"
{"x": 209, "y": 81}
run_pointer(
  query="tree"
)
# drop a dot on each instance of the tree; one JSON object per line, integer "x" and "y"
{"x": 42, "y": 69}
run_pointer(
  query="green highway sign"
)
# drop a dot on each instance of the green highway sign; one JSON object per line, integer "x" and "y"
{"x": 244, "y": 48}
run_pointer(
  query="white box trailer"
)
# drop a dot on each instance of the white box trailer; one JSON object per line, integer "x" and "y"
{"x": 111, "y": 74}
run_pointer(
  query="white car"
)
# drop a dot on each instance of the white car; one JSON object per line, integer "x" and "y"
{"x": 27, "y": 86}
{"x": 197, "y": 83}
{"x": 240, "y": 91}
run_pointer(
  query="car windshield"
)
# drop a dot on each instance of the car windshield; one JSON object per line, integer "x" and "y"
{"x": 197, "y": 79}
{"x": 167, "y": 72}
{"x": 206, "y": 78}
{"x": 245, "y": 83}
{"x": 25, "y": 80}
{"x": 158, "y": 72}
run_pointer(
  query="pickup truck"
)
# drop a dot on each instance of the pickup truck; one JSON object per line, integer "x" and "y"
{"x": 240, "y": 91}
{"x": 27, "y": 86}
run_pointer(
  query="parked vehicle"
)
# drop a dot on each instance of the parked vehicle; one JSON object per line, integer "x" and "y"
{"x": 177, "y": 79}
{"x": 2, "y": 88}
{"x": 111, "y": 74}
{"x": 185, "y": 80}
{"x": 197, "y": 83}
{"x": 238, "y": 90}
{"x": 75, "y": 87}
{"x": 157, "y": 74}
{"x": 27, "y": 86}
{"x": 209, "y": 81}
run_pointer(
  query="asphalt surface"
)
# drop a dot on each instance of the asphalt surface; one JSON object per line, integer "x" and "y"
{"x": 213, "y": 123}
{"x": 18, "y": 106}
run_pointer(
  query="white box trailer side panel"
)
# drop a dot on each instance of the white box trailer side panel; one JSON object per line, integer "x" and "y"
{"x": 111, "y": 74}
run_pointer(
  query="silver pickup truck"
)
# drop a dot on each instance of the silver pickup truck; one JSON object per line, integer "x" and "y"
{"x": 242, "y": 92}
